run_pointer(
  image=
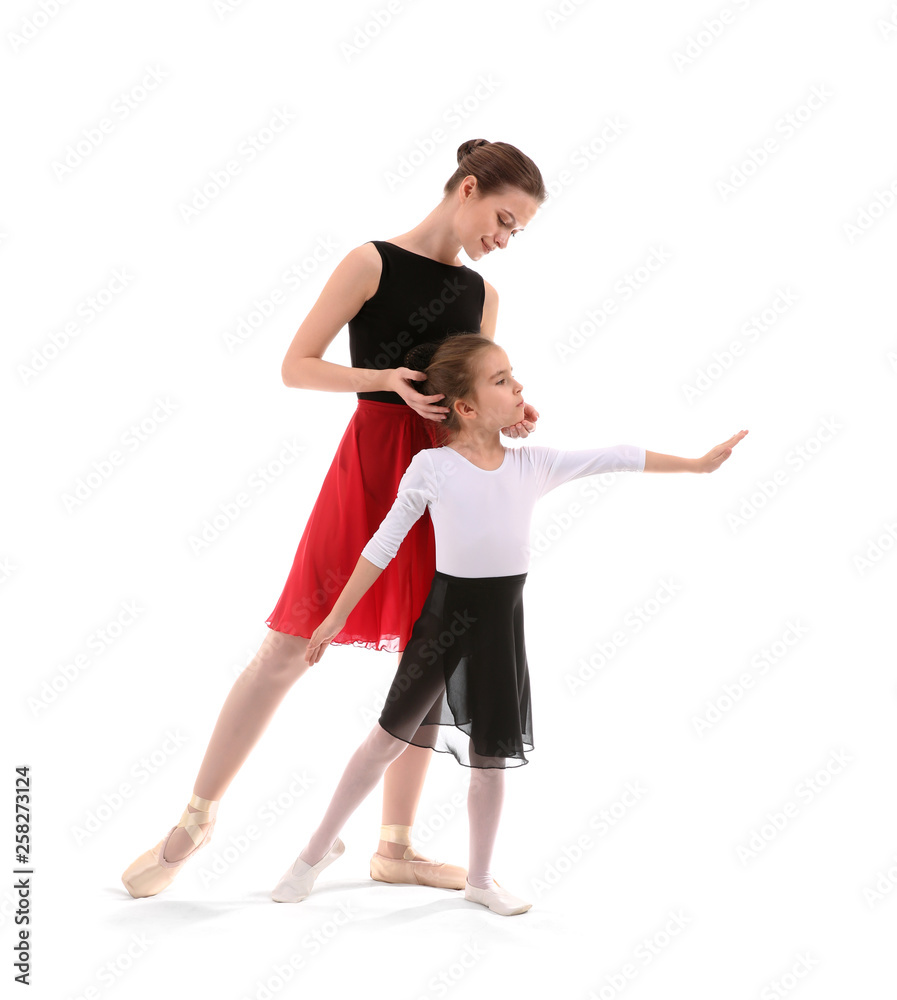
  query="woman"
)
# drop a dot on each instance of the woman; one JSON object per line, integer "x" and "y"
{"x": 392, "y": 294}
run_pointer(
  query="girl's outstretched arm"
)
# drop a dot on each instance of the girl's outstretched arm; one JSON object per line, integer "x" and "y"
{"x": 358, "y": 584}
{"x": 655, "y": 462}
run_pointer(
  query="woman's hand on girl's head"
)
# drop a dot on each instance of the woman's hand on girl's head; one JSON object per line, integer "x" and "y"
{"x": 426, "y": 406}
{"x": 524, "y": 427}
{"x": 322, "y": 637}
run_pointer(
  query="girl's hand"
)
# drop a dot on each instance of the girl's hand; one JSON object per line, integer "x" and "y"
{"x": 524, "y": 427}
{"x": 426, "y": 406}
{"x": 322, "y": 637}
{"x": 716, "y": 456}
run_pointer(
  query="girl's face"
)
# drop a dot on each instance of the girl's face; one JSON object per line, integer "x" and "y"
{"x": 499, "y": 396}
{"x": 484, "y": 223}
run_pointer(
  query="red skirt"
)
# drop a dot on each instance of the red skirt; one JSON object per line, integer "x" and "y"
{"x": 358, "y": 491}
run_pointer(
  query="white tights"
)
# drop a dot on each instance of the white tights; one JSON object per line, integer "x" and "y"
{"x": 363, "y": 772}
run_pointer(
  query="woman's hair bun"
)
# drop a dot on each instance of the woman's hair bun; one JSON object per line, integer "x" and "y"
{"x": 466, "y": 148}
{"x": 418, "y": 358}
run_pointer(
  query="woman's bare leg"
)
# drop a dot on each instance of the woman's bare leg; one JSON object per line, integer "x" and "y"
{"x": 245, "y": 715}
{"x": 402, "y": 787}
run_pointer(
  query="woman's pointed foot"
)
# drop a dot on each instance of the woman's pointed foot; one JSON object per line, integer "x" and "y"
{"x": 396, "y": 861}
{"x": 152, "y": 872}
{"x": 420, "y": 871}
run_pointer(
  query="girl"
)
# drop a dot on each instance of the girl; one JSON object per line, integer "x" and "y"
{"x": 392, "y": 294}
{"x": 462, "y": 686}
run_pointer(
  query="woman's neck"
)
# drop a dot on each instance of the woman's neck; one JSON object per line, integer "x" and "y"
{"x": 433, "y": 237}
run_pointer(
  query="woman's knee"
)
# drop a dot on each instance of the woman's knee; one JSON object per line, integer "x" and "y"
{"x": 280, "y": 659}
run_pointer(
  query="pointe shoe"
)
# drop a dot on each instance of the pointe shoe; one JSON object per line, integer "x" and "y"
{"x": 409, "y": 871}
{"x": 498, "y": 900}
{"x": 151, "y": 872}
{"x": 420, "y": 872}
{"x": 297, "y": 881}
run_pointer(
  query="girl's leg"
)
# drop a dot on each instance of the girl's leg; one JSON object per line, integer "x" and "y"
{"x": 402, "y": 786}
{"x": 362, "y": 773}
{"x": 245, "y": 715}
{"x": 484, "y": 801}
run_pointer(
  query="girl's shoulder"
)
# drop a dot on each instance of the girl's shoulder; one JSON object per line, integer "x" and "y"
{"x": 534, "y": 449}
{"x": 535, "y": 453}
{"x": 534, "y": 456}
{"x": 537, "y": 460}
{"x": 519, "y": 452}
{"x": 425, "y": 461}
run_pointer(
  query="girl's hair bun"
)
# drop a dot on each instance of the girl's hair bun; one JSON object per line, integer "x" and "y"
{"x": 466, "y": 148}
{"x": 418, "y": 358}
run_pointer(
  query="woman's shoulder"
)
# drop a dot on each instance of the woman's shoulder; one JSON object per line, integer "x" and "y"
{"x": 362, "y": 266}
{"x": 368, "y": 254}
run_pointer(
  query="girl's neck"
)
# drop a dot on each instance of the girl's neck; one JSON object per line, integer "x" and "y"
{"x": 483, "y": 448}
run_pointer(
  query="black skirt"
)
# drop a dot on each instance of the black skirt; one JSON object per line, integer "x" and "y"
{"x": 462, "y": 686}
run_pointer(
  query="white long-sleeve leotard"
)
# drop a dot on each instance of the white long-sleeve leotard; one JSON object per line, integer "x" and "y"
{"x": 481, "y": 517}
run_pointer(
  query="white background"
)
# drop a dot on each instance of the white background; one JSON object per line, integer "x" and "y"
{"x": 805, "y": 909}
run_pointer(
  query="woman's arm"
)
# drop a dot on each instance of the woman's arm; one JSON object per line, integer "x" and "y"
{"x": 355, "y": 280}
{"x": 527, "y": 424}
{"x": 655, "y": 462}
{"x": 490, "y": 312}
{"x": 352, "y": 283}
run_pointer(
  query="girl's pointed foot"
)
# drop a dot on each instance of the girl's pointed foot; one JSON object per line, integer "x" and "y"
{"x": 498, "y": 900}
{"x": 298, "y": 880}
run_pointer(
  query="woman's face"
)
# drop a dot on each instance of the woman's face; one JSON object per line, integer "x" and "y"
{"x": 488, "y": 222}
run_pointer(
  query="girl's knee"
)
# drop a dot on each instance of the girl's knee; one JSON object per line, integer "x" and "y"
{"x": 384, "y": 744}
{"x": 486, "y": 777}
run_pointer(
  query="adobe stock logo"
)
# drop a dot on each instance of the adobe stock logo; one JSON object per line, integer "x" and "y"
{"x": 35, "y": 22}
{"x": 218, "y": 179}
